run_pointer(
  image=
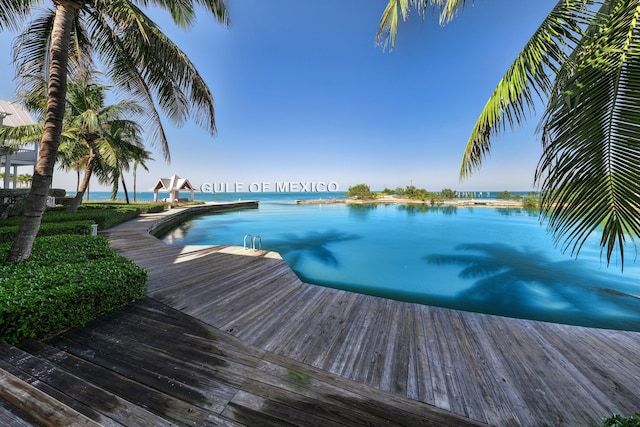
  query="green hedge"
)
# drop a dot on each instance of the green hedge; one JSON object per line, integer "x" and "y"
{"x": 105, "y": 218}
{"x": 67, "y": 281}
{"x": 8, "y": 233}
{"x": 57, "y": 192}
{"x": 104, "y": 214}
{"x": 58, "y": 221}
{"x": 620, "y": 421}
{"x": 12, "y": 202}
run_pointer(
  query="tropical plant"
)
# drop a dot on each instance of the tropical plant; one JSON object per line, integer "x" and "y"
{"x": 73, "y": 157}
{"x": 360, "y": 191}
{"x": 101, "y": 129}
{"x": 437, "y": 198}
{"x": 617, "y": 420}
{"x": 504, "y": 195}
{"x": 421, "y": 194}
{"x": 531, "y": 200}
{"x": 388, "y": 191}
{"x": 448, "y": 193}
{"x": 94, "y": 139}
{"x": 410, "y": 191}
{"x": 25, "y": 179}
{"x": 138, "y": 57}
{"x": 583, "y": 61}
{"x": 120, "y": 149}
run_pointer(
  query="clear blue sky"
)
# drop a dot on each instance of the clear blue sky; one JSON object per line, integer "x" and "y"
{"x": 303, "y": 94}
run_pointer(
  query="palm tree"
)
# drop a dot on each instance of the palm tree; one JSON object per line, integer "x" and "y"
{"x": 583, "y": 61}
{"x": 89, "y": 122}
{"x": 24, "y": 179}
{"x": 92, "y": 134}
{"x": 120, "y": 149}
{"x": 73, "y": 157}
{"x": 138, "y": 57}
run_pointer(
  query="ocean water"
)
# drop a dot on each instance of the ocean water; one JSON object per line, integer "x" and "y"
{"x": 264, "y": 196}
{"x": 285, "y": 197}
{"x": 489, "y": 260}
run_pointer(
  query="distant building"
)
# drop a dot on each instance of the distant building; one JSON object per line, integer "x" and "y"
{"x": 12, "y": 114}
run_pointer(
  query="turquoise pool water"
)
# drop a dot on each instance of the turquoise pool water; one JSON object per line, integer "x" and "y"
{"x": 497, "y": 261}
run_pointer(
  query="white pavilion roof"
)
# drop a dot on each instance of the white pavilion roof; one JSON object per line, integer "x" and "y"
{"x": 12, "y": 114}
{"x": 175, "y": 183}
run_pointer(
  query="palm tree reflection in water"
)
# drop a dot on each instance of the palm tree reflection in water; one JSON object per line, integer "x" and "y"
{"x": 313, "y": 244}
{"x": 513, "y": 281}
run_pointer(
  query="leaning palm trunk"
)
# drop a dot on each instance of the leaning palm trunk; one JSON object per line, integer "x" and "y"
{"x": 135, "y": 185}
{"x": 43, "y": 172}
{"x": 84, "y": 184}
{"x": 124, "y": 187}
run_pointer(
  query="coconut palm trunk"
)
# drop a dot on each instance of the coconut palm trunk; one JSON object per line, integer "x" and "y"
{"x": 135, "y": 184}
{"x": 124, "y": 187}
{"x": 43, "y": 172}
{"x": 84, "y": 184}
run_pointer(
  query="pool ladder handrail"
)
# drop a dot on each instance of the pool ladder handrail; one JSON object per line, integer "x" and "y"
{"x": 252, "y": 242}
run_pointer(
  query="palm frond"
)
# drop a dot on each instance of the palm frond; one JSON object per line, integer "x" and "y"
{"x": 184, "y": 13}
{"x": 388, "y": 25}
{"x": 14, "y": 12}
{"x": 590, "y": 169}
{"x": 530, "y": 74}
{"x": 450, "y": 8}
{"x": 31, "y": 57}
{"x": 31, "y": 54}
{"x": 18, "y": 136}
{"x": 146, "y": 64}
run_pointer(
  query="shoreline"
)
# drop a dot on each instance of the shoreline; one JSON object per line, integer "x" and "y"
{"x": 406, "y": 201}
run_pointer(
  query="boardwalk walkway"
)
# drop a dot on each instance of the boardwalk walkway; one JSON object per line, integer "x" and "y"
{"x": 313, "y": 355}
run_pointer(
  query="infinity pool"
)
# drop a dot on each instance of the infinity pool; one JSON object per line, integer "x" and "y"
{"x": 489, "y": 260}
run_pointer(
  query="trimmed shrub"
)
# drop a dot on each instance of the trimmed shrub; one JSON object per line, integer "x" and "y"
{"x": 67, "y": 281}
{"x": 70, "y": 278}
{"x": 12, "y": 202}
{"x": 620, "y": 421}
{"x": 63, "y": 248}
{"x": 57, "y": 192}
{"x": 104, "y": 214}
{"x": 8, "y": 233}
{"x": 143, "y": 207}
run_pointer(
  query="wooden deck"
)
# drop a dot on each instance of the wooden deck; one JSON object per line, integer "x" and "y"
{"x": 233, "y": 337}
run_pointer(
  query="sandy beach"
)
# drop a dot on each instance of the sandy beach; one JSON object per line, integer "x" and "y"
{"x": 404, "y": 200}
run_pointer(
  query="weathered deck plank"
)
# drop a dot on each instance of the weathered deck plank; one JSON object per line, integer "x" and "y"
{"x": 495, "y": 370}
{"x": 148, "y": 364}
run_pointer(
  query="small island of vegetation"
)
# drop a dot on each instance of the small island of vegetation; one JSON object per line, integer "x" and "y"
{"x": 361, "y": 193}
